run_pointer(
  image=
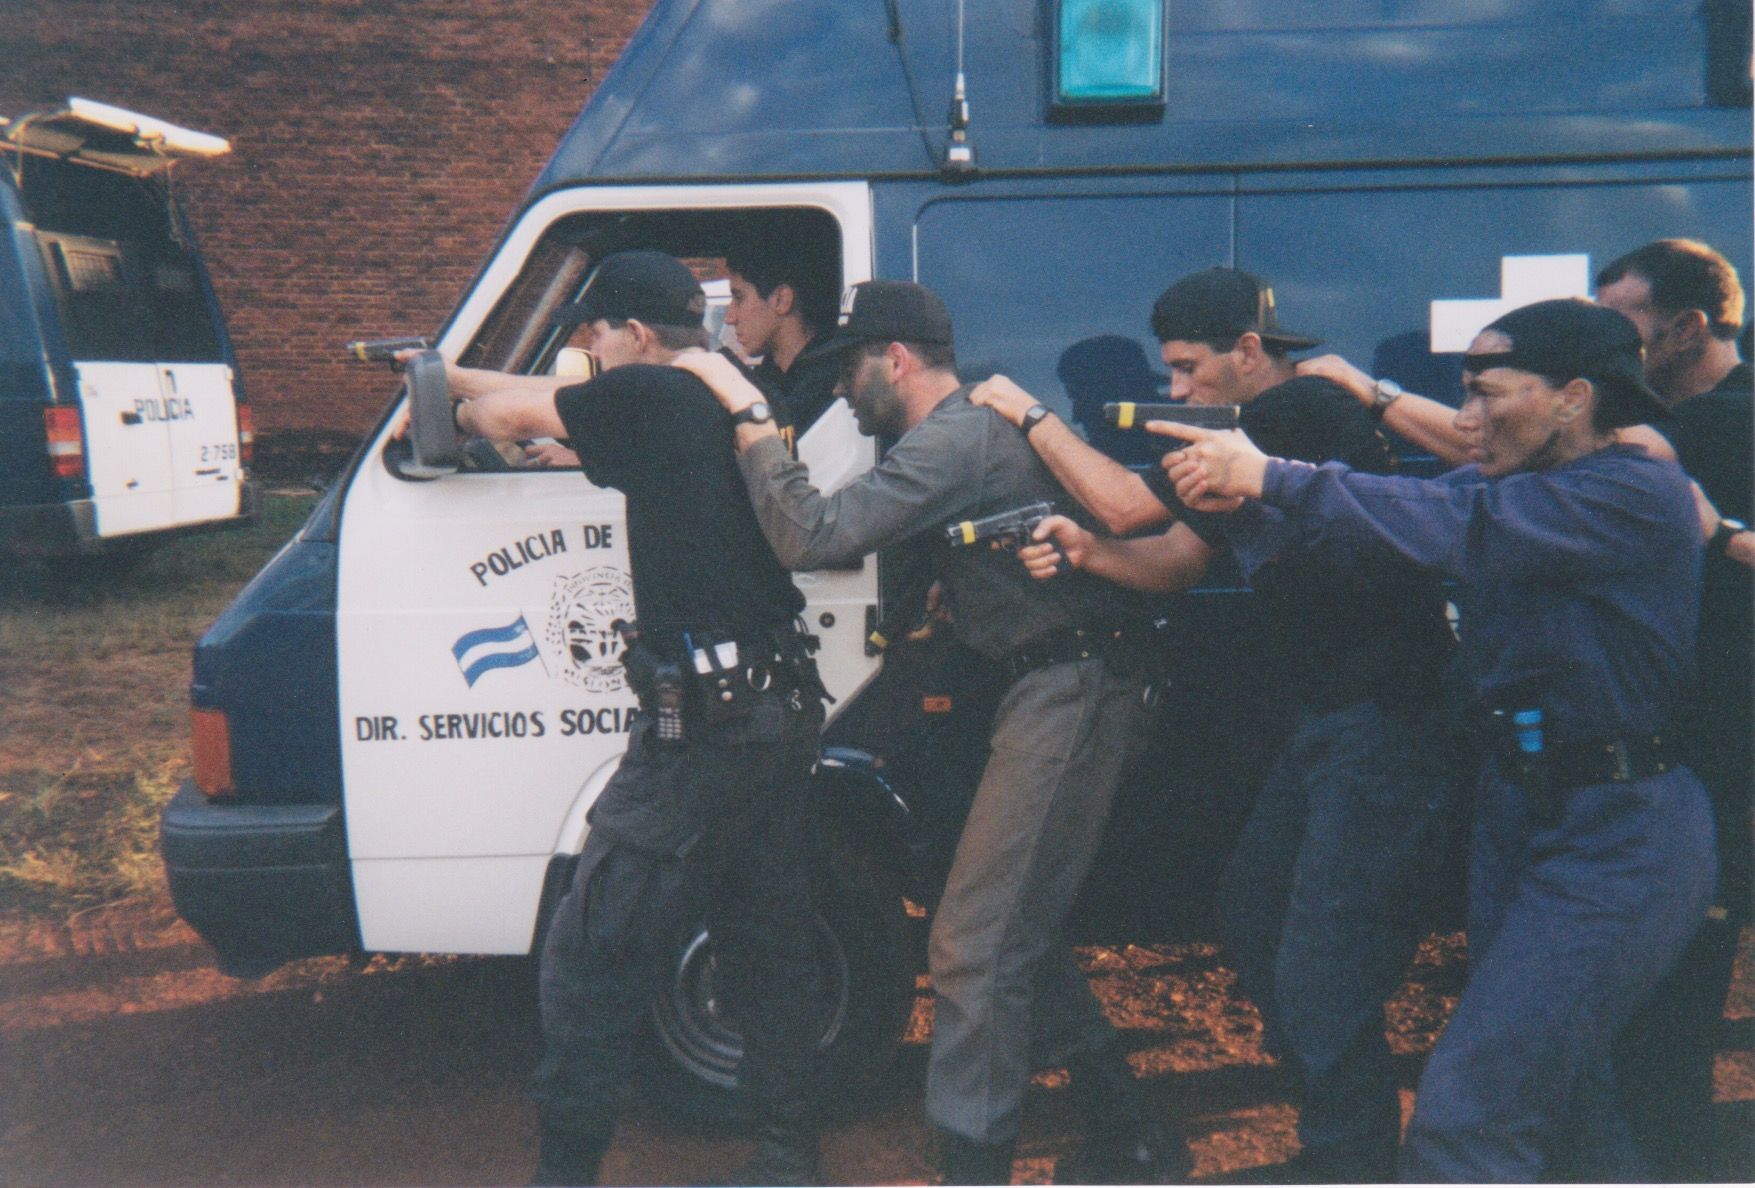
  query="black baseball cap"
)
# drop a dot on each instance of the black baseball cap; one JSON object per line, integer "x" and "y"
{"x": 649, "y": 286}
{"x": 1221, "y": 305}
{"x": 1571, "y": 338}
{"x": 886, "y": 311}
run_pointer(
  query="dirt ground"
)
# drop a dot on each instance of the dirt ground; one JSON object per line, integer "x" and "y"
{"x": 126, "y": 1058}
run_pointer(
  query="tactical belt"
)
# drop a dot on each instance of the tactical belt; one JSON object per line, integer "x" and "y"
{"x": 1121, "y": 647}
{"x": 1579, "y": 765}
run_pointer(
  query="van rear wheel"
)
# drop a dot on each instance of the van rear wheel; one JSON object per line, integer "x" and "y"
{"x": 859, "y": 941}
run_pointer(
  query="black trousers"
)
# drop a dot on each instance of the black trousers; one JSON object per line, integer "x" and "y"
{"x": 612, "y": 939}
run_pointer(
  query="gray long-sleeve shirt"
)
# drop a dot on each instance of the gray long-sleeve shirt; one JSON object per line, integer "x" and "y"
{"x": 960, "y": 463}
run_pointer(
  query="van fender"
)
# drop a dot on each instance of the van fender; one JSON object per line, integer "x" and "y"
{"x": 860, "y": 805}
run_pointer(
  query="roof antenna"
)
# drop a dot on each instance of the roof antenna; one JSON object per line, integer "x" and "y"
{"x": 960, "y": 154}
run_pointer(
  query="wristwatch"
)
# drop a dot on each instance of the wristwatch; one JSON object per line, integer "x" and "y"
{"x": 1033, "y": 416}
{"x": 1720, "y": 540}
{"x": 1384, "y": 392}
{"x": 757, "y": 413}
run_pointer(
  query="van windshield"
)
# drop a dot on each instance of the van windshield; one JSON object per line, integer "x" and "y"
{"x": 127, "y": 281}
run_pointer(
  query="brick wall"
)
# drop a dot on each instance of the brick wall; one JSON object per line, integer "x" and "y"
{"x": 378, "y": 147}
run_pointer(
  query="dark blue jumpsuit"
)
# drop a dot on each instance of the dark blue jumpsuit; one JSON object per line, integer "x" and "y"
{"x": 1582, "y": 580}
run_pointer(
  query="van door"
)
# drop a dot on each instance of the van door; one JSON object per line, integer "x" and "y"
{"x": 482, "y": 705}
{"x": 136, "y": 317}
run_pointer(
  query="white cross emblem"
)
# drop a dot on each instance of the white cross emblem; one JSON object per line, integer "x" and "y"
{"x": 1522, "y": 280}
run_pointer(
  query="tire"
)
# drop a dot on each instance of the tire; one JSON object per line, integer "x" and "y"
{"x": 866, "y": 963}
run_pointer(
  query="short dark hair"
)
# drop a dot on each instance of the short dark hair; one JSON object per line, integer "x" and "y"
{"x": 1685, "y": 274}
{"x": 797, "y": 251}
{"x": 671, "y": 338}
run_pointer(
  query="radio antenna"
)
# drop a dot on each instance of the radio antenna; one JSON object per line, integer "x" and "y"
{"x": 960, "y": 154}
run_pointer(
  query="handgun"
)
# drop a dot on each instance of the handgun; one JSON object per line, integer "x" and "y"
{"x": 1009, "y": 529}
{"x": 907, "y": 611}
{"x": 1128, "y": 415}
{"x": 383, "y": 350}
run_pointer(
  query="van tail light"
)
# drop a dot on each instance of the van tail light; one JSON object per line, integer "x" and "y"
{"x": 246, "y": 434}
{"x": 66, "y": 442}
{"x": 211, "y": 735}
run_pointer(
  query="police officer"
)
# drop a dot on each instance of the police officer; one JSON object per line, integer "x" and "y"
{"x": 1321, "y": 904}
{"x": 706, "y": 813}
{"x": 1009, "y": 996}
{"x": 1578, "y": 564}
{"x": 1688, "y": 304}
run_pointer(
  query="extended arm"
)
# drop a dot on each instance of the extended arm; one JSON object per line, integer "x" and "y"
{"x": 921, "y": 484}
{"x": 1167, "y": 563}
{"x": 510, "y": 414}
{"x": 1117, "y": 496}
{"x": 1428, "y": 423}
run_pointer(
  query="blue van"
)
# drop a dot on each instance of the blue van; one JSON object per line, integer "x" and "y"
{"x": 122, "y": 417}
{"x": 400, "y": 723}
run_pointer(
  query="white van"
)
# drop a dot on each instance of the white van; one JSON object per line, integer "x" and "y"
{"x": 122, "y": 420}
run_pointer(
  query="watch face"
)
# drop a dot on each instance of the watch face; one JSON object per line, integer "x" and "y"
{"x": 759, "y": 411}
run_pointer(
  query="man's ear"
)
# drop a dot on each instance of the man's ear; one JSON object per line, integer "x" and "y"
{"x": 901, "y": 359}
{"x": 1690, "y": 329}
{"x": 1576, "y": 399}
{"x": 642, "y": 335}
{"x": 782, "y": 299}
{"x": 1249, "y": 350}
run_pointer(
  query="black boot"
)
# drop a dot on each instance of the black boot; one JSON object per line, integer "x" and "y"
{"x": 1124, "y": 1142}
{"x": 965, "y": 1161}
{"x": 568, "y": 1157}
{"x": 786, "y": 1155}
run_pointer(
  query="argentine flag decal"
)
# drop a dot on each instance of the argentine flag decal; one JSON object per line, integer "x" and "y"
{"x": 482, "y": 651}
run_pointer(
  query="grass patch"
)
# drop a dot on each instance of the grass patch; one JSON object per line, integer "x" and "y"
{"x": 95, "y": 737}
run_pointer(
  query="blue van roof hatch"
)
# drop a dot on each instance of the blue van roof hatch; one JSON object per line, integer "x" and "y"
{"x": 106, "y": 137}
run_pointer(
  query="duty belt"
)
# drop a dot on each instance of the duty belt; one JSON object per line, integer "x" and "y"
{"x": 1113, "y": 644}
{"x": 1618, "y": 761}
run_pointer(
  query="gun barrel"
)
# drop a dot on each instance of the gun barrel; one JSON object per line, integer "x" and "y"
{"x": 962, "y": 533}
{"x": 383, "y": 350}
{"x": 1128, "y": 415}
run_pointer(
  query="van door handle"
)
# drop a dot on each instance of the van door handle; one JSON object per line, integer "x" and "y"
{"x": 130, "y": 418}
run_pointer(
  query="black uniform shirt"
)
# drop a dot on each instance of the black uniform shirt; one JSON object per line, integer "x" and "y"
{"x": 1363, "y": 626}
{"x": 806, "y": 388}
{"x": 699, "y": 559}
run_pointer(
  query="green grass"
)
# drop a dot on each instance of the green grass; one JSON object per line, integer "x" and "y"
{"x": 94, "y": 737}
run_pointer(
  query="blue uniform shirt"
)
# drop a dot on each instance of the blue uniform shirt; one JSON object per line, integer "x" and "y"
{"x": 1582, "y": 581}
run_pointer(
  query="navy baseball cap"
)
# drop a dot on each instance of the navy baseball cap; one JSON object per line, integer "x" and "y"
{"x": 648, "y": 286}
{"x": 886, "y": 311}
{"x": 1222, "y": 305}
{"x": 1571, "y": 338}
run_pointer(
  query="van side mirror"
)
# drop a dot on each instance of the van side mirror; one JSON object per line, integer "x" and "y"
{"x": 432, "y": 432}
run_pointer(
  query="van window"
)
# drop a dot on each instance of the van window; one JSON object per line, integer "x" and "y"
{"x": 519, "y": 335}
{"x": 128, "y": 288}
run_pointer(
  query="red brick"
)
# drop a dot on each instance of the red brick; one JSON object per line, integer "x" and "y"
{"x": 378, "y": 148}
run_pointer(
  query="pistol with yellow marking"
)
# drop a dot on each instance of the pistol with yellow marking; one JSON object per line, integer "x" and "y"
{"x": 1006, "y": 529}
{"x": 1128, "y": 415}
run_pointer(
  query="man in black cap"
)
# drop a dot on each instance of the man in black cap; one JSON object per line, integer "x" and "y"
{"x": 1577, "y": 559}
{"x": 706, "y": 814}
{"x": 1687, "y": 303}
{"x": 1009, "y": 996}
{"x": 1320, "y": 906}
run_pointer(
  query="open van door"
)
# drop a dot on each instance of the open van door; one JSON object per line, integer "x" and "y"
{"x": 129, "y": 323}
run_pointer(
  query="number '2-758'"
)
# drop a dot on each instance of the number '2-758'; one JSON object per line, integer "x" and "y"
{"x": 224, "y": 452}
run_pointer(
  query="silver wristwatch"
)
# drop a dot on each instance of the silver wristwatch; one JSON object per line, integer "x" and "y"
{"x": 1384, "y": 392}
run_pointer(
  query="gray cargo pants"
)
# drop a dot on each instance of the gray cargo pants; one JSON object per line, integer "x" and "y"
{"x": 1009, "y": 996}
